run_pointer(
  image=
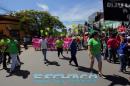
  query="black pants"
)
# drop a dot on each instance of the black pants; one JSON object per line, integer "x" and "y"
{"x": 128, "y": 59}
{"x": 18, "y": 59}
{"x": 4, "y": 59}
{"x": 112, "y": 54}
{"x": 25, "y": 45}
{"x": 60, "y": 51}
{"x": 74, "y": 59}
{"x": 1, "y": 57}
{"x": 123, "y": 62}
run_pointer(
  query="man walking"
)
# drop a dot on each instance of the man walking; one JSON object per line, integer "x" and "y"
{"x": 5, "y": 50}
{"x": 13, "y": 51}
{"x": 44, "y": 48}
{"x": 73, "y": 49}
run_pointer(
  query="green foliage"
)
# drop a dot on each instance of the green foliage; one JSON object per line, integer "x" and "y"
{"x": 39, "y": 20}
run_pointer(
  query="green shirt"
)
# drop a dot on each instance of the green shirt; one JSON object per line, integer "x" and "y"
{"x": 1, "y": 43}
{"x": 59, "y": 43}
{"x": 13, "y": 49}
{"x": 5, "y": 42}
{"x": 95, "y": 46}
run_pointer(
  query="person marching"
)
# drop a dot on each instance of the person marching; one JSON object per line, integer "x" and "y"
{"x": 25, "y": 42}
{"x": 44, "y": 48}
{"x": 1, "y": 53}
{"x": 59, "y": 46}
{"x": 19, "y": 48}
{"x": 73, "y": 49}
{"x": 128, "y": 51}
{"x": 5, "y": 43}
{"x": 13, "y": 51}
{"x": 122, "y": 49}
{"x": 112, "y": 44}
{"x": 94, "y": 50}
{"x": 104, "y": 45}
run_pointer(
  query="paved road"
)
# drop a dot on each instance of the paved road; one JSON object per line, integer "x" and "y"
{"x": 33, "y": 63}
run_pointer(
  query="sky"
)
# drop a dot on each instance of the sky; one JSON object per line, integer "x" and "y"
{"x": 68, "y": 11}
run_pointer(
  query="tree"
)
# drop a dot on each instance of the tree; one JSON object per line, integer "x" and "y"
{"x": 39, "y": 20}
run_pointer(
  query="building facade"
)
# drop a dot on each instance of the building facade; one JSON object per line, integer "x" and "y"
{"x": 10, "y": 26}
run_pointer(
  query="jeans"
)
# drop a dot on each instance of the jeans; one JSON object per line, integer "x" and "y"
{"x": 15, "y": 61}
{"x": 44, "y": 51}
{"x": 112, "y": 54}
{"x": 122, "y": 61}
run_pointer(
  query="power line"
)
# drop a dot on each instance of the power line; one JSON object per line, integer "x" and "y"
{"x": 6, "y": 10}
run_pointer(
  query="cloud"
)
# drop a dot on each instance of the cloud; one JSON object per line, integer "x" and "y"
{"x": 43, "y": 6}
{"x": 76, "y": 13}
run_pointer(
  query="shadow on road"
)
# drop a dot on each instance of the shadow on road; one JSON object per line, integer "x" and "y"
{"x": 127, "y": 72}
{"x": 117, "y": 80}
{"x": 84, "y": 69}
{"x": 21, "y": 73}
{"x": 65, "y": 58}
{"x": 52, "y": 63}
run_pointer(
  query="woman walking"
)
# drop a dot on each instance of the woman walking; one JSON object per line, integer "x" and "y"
{"x": 94, "y": 48}
{"x": 59, "y": 46}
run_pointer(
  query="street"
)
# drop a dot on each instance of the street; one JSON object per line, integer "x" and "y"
{"x": 33, "y": 63}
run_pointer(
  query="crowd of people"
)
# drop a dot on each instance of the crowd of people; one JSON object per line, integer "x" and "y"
{"x": 60, "y": 44}
{"x": 51, "y": 42}
{"x": 113, "y": 48}
{"x": 10, "y": 47}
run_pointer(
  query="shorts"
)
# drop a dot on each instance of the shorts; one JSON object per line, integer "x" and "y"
{"x": 98, "y": 57}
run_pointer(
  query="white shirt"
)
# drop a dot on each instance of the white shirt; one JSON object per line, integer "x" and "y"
{"x": 44, "y": 44}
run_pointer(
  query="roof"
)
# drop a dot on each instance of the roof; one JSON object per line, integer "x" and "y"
{"x": 8, "y": 18}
